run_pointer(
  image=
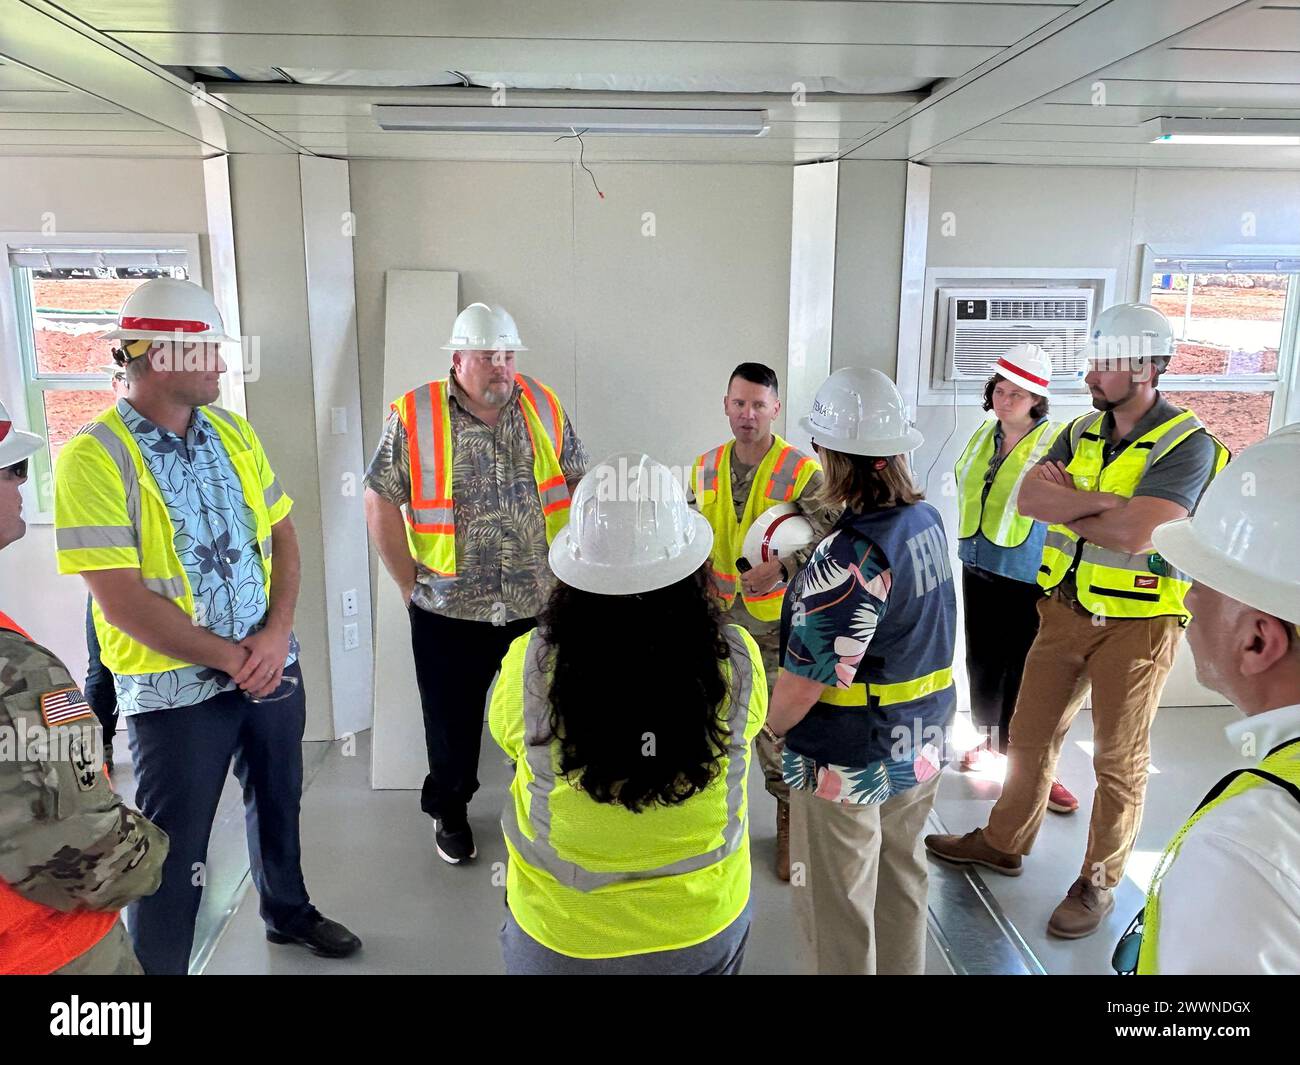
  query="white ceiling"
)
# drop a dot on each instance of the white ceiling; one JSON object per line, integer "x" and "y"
{"x": 1011, "y": 81}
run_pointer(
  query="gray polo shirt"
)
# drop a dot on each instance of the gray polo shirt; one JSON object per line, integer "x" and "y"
{"x": 1181, "y": 476}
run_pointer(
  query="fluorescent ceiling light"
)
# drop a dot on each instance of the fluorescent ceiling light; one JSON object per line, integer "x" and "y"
{"x": 664, "y": 122}
{"x": 1241, "y": 131}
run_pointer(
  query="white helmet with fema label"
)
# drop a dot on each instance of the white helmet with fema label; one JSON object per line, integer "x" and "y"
{"x": 482, "y": 328}
{"x": 1128, "y": 331}
{"x": 860, "y": 412}
{"x": 1242, "y": 539}
{"x": 168, "y": 308}
{"x": 630, "y": 529}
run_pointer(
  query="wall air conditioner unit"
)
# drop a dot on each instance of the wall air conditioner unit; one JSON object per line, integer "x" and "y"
{"x": 981, "y": 323}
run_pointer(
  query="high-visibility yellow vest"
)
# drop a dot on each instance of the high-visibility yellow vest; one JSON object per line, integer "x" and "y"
{"x": 1114, "y": 584}
{"x": 1284, "y": 763}
{"x": 780, "y": 478}
{"x": 430, "y": 516}
{"x": 995, "y": 515}
{"x": 595, "y": 880}
{"x": 110, "y": 514}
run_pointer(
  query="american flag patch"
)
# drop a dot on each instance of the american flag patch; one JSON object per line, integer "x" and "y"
{"x": 60, "y": 707}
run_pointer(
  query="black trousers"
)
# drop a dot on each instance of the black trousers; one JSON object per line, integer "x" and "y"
{"x": 101, "y": 693}
{"x": 455, "y": 662}
{"x": 1001, "y": 623}
{"x": 182, "y": 757}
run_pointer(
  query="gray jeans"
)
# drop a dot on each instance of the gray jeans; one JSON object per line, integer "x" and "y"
{"x": 721, "y": 955}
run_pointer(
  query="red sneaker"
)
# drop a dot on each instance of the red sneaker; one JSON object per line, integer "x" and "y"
{"x": 1060, "y": 801}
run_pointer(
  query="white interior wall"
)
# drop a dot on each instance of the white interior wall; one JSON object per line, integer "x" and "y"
{"x": 635, "y": 307}
{"x": 91, "y": 196}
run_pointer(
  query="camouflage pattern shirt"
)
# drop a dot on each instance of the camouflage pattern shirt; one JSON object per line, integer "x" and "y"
{"x": 502, "y": 573}
{"x": 66, "y": 839}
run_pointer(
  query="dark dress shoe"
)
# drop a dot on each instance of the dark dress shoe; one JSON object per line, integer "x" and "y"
{"x": 321, "y": 936}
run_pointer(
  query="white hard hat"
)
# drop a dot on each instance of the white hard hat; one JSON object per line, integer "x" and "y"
{"x": 1242, "y": 539}
{"x": 630, "y": 529}
{"x": 482, "y": 328}
{"x": 15, "y": 445}
{"x": 1129, "y": 330}
{"x": 860, "y": 412}
{"x": 779, "y": 531}
{"x": 1028, "y": 366}
{"x": 165, "y": 307}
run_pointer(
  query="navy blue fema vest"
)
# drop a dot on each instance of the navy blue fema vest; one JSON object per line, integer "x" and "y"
{"x": 913, "y": 641}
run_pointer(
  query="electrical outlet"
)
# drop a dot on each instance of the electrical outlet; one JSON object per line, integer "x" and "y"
{"x": 351, "y": 637}
{"x": 338, "y": 420}
{"x": 350, "y": 603}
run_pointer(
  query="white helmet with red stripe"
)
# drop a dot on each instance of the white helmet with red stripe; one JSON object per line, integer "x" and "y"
{"x": 777, "y": 533}
{"x": 15, "y": 445}
{"x": 168, "y": 308}
{"x": 1028, "y": 366}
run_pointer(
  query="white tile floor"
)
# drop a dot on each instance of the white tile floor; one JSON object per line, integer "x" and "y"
{"x": 369, "y": 862}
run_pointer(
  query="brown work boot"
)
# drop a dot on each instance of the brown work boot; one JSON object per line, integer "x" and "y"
{"x": 1082, "y": 910}
{"x": 782, "y": 840}
{"x": 972, "y": 849}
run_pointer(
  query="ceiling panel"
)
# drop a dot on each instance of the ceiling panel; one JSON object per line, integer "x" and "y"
{"x": 1128, "y": 115}
{"x": 1267, "y": 29}
{"x": 1189, "y": 93}
{"x": 1200, "y": 64}
{"x": 727, "y": 22}
{"x": 52, "y": 102}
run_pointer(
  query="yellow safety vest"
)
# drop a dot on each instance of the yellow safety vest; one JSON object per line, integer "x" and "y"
{"x": 430, "y": 515}
{"x": 1284, "y": 763}
{"x": 995, "y": 515}
{"x": 109, "y": 514}
{"x": 1113, "y": 584}
{"x": 780, "y": 478}
{"x": 595, "y": 880}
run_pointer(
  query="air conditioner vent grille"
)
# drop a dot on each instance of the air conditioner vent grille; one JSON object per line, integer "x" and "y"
{"x": 1053, "y": 310}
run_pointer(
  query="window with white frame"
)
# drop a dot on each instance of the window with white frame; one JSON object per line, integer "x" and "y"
{"x": 63, "y": 297}
{"x": 1234, "y": 322}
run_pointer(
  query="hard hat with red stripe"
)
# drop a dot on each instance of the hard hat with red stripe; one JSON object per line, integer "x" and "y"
{"x": 1028, "y": 366}
{"x": 778, "y": 532}
{"x": 170, "y": 309}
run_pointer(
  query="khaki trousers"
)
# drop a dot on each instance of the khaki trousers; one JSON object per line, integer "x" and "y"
{"x": 860, "y": 881}
{"x": 1126, "y": 661}
{"x": 111, "y": 956}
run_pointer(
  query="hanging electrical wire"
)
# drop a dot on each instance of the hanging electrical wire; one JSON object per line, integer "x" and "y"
{"x": 581, "y": 162}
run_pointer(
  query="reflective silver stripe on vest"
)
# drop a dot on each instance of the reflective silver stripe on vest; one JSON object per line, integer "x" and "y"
{"x": 538, "y": 749}
{"x": 544, "y": 411}
{"x": 1173, "y": 435}
{"x": 781, "y": 479}
{"x": 265, "y": 545}
{"x": 425, "y": 429}
{"x": 93, "y": 536}
{"x": 171, "y": 587}
{"x": 432, "y": 515}
{"x": 1082, "y": 424}
{"x": 709, "y": 470}
{"x": 1101, "y": 556}
{"x": 272, "y": 495}
{"x": 1061, "y": 541}
{"x": 121, "y": 456}
{"x": 229, "y": 419}
{"x": 556, "y": 494}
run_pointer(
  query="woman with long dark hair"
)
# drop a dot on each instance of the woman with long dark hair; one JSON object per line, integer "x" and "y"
{"x": 628, "y": 716}
{"x": 866, "y": 694}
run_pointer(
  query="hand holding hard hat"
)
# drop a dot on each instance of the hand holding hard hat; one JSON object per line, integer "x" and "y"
{"x": 777, "y": 533}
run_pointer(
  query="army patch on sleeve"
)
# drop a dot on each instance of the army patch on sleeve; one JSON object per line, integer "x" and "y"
{"x": 66, "y": 704}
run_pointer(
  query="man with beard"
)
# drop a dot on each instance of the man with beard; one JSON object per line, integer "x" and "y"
{"x": 470, "y": 484}
{"x": 1114, "y": 612}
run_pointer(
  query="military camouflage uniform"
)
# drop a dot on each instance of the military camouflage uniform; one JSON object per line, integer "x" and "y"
{"x": 767, "y": 634}
{"x": 66, "y": 839}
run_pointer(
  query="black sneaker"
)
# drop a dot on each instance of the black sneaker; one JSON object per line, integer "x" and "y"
{"x": 321, "y": 936}
{"x": 455, "y": 844}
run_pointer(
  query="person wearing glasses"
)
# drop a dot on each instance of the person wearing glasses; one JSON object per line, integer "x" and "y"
{"x": 169, "y": 508}
{"x": 71, "y": 854}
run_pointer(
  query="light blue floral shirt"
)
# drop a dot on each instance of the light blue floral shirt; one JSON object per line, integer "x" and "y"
{"x": 215, "y": 535}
